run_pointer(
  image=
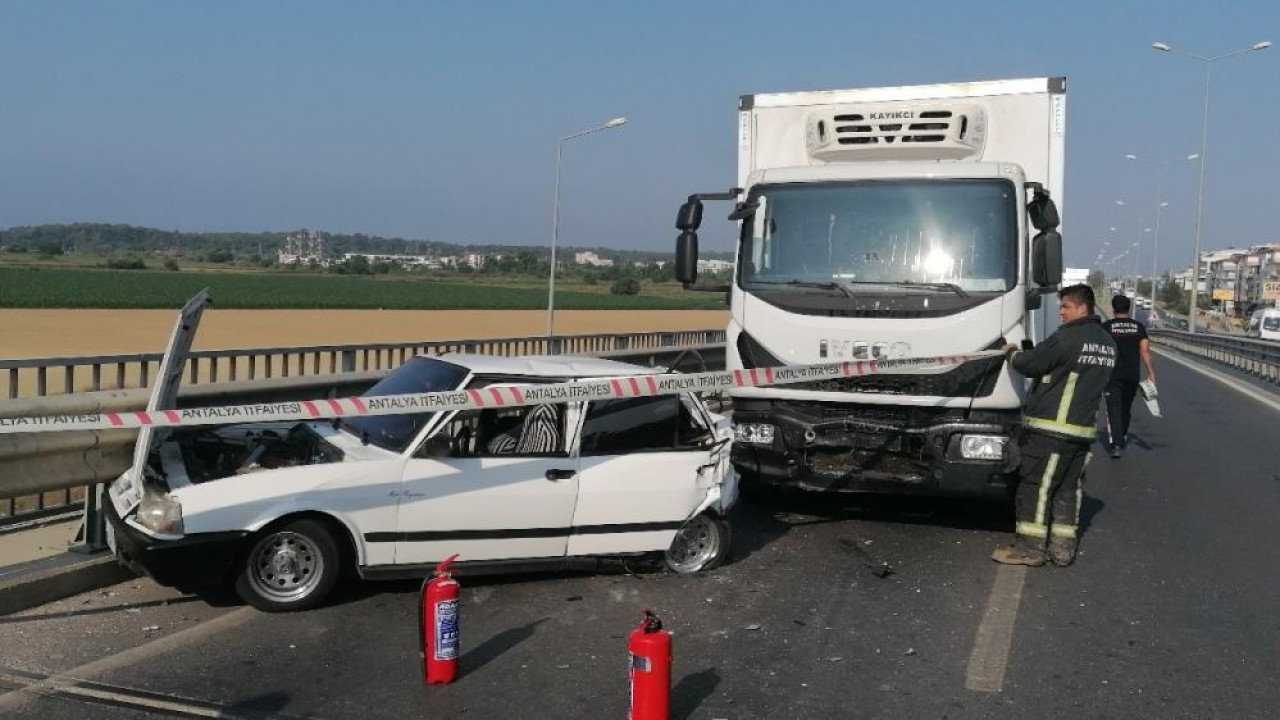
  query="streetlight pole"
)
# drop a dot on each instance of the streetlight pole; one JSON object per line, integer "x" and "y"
{"x": 1161, "y": 167}
{"x": 555, "y": 218}
{"x": 1204, "y": 158}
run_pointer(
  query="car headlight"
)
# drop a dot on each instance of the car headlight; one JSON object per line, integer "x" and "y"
{"x": 755, "y": 433}
{"x": 159, "y": 512}
{"x": 982, "y": 447}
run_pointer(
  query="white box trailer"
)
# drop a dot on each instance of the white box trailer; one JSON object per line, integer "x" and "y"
{"x": 890, "y": 222}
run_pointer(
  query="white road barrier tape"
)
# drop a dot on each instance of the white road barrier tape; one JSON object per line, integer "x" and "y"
{"x": 489, "y": 397}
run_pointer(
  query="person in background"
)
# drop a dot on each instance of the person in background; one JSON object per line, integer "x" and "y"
{"x": 1130, "y": 337}
{"x": 1069, "y": 371}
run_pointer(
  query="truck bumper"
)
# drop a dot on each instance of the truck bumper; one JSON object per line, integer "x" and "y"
{"x": 875, "y": 449}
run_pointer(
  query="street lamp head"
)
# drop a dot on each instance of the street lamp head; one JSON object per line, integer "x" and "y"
{"x": 1262, "y": 45}
{"x": 1130, "y": 157}
{"x": 616, "y": 122}
{"x": 1119, "y": 202}
{"x": 1162, "y": 47}
{"x": 1194, "y": 156}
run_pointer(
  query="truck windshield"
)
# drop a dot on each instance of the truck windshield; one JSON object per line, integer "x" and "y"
{"x": 419, "y": 375}
{"x": 883, "y": 236}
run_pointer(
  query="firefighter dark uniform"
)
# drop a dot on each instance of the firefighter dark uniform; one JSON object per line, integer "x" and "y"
{"x": 1070, "y": 370}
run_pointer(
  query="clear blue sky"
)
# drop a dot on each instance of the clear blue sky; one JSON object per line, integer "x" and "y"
{"x": 439, "y": 120}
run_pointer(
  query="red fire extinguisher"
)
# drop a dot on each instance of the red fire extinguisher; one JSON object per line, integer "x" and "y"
{"x": 650, "y": 671}
{"x": 438, "y": 625}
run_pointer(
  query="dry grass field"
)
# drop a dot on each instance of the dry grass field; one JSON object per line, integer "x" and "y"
{"x": 57, "y": 333}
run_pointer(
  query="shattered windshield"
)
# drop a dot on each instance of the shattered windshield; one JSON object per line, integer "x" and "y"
{"x": 419, "y": 375}
{"x": 955, "y": 236}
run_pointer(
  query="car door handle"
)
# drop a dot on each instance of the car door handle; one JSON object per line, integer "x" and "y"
{"x": 555, "y": 474}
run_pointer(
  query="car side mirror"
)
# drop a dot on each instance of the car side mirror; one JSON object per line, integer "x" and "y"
{"x": 687, "y": 257}
{"x": 1046, "y": 258}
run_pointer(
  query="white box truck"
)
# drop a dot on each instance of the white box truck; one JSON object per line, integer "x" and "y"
{"x": 882, "y": 223}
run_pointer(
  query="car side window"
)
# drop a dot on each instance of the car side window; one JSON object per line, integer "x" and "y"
{"x": 531, "y": 431}
{"x": 640, "y": 424}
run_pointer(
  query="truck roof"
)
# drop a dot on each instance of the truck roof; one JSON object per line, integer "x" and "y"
{"x": 888, "y": 169}
{"x": 1053, "y": 85}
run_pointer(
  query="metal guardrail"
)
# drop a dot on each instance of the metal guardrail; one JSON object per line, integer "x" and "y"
{"x": 1259, "y": 358}
{"x": 39, "y": 473}
{"x": 40, "y": 377}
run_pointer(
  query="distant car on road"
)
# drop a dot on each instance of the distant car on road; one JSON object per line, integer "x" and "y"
{"x": 281, "y": 511}
{"x": 1264, "y": 324}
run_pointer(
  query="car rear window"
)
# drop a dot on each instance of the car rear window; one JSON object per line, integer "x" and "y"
{"x": 638, "y": 424}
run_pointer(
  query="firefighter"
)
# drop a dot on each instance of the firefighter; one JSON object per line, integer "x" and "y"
{"x": 1131, "y": 341}
{"x": 1069, "y": 371}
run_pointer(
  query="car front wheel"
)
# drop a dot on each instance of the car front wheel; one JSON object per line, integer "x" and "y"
{"x": 289, "y": 567}
{"x": 701, "y": 544}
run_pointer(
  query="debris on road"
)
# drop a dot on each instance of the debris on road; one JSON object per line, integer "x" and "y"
{"x": 879, "y": 568}
{"x": 752, "y": 627}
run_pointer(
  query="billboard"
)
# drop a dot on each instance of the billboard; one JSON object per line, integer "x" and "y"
{"x": 1224, "y": 294}
{"x": 1271, "y": 290}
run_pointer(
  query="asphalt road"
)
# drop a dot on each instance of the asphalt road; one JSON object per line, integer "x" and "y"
{"x": 1170, "y": 613}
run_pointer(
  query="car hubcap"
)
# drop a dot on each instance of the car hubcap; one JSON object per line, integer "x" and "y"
{"x": 695, "y": 544}
{"x": 285, "y": 566}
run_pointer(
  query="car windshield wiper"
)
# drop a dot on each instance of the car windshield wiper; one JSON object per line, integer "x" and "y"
{"x": 821, "y": 285}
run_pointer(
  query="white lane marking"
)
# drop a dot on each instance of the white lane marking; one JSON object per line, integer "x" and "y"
{"x": 990, "y": 654}
{"x": 189, "y": 637}
{"x": 1254, "y": 393}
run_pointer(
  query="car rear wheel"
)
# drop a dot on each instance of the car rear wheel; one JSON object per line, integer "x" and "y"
{"x": 701, "y": 544}
{"x": 289, "y": 567}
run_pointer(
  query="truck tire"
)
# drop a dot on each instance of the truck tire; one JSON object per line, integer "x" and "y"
{"x": 289, "y": 567}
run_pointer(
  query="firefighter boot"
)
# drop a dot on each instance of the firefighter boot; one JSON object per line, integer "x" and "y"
{"x": 1019, "y": 553}
{"x": 1062, "y": 551}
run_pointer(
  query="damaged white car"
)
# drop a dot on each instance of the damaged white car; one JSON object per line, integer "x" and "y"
{"x": 281, "y": 511}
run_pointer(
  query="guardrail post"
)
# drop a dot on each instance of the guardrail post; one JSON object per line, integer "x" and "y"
{"x": 92, "y": 535}
{"x": 348, "y": 361}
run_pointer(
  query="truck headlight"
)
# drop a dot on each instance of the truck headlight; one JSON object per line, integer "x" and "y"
{"x": 982, "y": 447}
{"x": 160, "y": 512}
{"x": 754, "y": 433}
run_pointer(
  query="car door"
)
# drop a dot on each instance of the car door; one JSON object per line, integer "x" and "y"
{"x": 492, "y": 484}
{"x": 643, "y": 469}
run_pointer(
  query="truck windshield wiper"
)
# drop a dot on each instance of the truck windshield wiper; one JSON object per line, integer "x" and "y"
{"x": 809, "y": 284}
{"x": 950, "y": 287}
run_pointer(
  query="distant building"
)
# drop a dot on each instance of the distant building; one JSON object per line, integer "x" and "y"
{"x": 406, "y": 261}
{"x": 714, "y": 266}
{"x": 305, "y": 248}
{"x": 590, "y": 258}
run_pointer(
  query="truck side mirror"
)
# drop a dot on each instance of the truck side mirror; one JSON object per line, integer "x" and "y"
{"x": 1046, "y": 258}
{"x": 687, "y": 256}
{"x": 690, "y": 215}
{"x": 1043, "y": 212}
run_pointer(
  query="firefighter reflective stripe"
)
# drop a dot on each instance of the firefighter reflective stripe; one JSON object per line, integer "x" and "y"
{"x": 1063, "y": 531}
{"x": 1033, "y": 530}
{"x": 1080, "y": 485}
{"x": 1068, "y": 394}
{"x": 1046, "y": 480}
{"x": 1084, "y": 432}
